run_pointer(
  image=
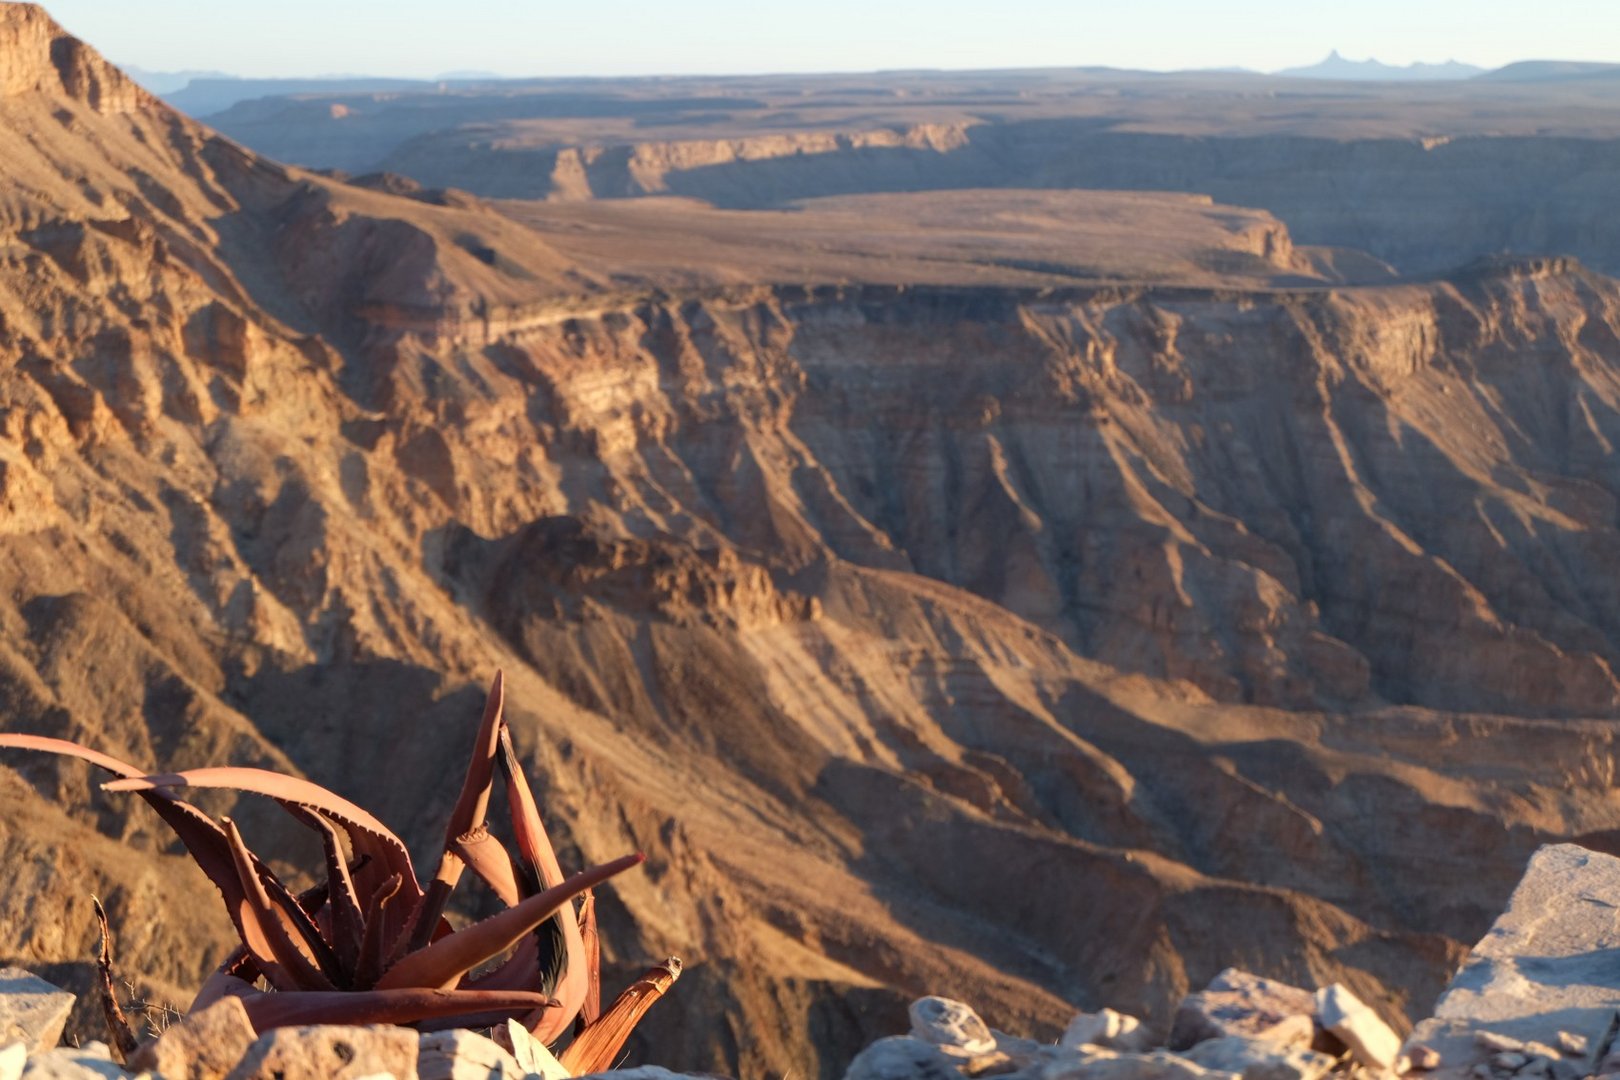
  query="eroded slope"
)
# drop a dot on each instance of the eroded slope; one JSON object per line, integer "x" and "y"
{"x": 1035, "y": 644}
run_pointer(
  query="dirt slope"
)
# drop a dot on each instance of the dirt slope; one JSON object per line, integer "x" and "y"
{"x": 1048, "y": 648}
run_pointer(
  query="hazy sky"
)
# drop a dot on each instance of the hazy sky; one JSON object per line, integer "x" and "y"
{"x": 612, "y": 37}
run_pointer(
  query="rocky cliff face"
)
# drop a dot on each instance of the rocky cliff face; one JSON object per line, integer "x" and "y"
{"x": 1245, "y": 494}
{"x": 40, "y": 58}
{"x": 1054, "y": 647}
{"x": 1423, "y": 205}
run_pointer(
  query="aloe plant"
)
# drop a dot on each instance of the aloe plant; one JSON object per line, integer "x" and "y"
{"x": 370, "y": 943}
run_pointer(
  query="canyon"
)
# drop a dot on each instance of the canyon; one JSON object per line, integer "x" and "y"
{"x": 1425, "y": 176}
{"x": 1050, "y": 597}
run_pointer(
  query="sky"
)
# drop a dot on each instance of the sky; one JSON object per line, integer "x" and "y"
{"x": 425, "y": 38}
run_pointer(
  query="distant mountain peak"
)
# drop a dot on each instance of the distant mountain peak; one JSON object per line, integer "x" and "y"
{"x": 41, "y": 57}
{"x": 1336, "y": 66}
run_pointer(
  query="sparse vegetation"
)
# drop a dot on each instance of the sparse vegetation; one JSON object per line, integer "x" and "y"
{"x": 369, "y": 943}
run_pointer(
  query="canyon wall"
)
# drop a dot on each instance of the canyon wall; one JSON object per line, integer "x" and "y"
{"x": 1423, "y": 205}
{"x": 1057, "y": 647}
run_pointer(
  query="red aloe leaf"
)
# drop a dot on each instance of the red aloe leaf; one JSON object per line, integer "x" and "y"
{"x": 601, "y": 1042}
{"x": 366, "y": 833}
{"x": 254, "y": 915}
{"x": 202, "y": 837}
{"x": 347, "y": 920}
{"x": 591, "y": 943}
{"x": 374, "y": 946}
{"x": 444, "y": 962}
{"x": 539, "y": 858}
{"x": 519, "y": 971}
{"x": 398, "y": 1006}
{"x": 471, "y": 807}
{"x": 485, "y": 856}
{"x": 479, "y": 1021}
{"x": 272, "y": 929}
{"x": 528, "y": 831}
{"x": 221, "y": 984}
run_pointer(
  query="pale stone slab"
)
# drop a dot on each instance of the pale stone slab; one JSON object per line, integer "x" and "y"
{"x": 1159, "y": 1065}
{"x": 1550, "y": 966}
{"x": 1257, "y": 1060}
{"x": 330, "y": 1052}
{"x": 901, "y": 1057}
{"x": 64, "y": 1063}
{"x": 32, "y": 1011}
{"x": 1248, "y": 1006}
{"x": 1109, "y": 1029}
{"x": 12, "y": 1060}
{"x": 1371, "y": 1041}
{"x": 464, "y": 1055}
{"x": 950, "y": 1025}
{"x": 206, "y": 1045}
{"x": 532, "y": 1055}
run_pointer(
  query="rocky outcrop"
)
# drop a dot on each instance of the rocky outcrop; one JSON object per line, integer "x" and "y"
{"x": 850, "y": 606}
{"x": 41, "y": 59}
{"x": 32, "y": 1011}
{"x": 1539, "y": 986}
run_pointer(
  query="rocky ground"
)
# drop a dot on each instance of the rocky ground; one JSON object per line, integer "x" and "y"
{"x": 1052, "y": 640}
{"x": 1535, "y": 1002}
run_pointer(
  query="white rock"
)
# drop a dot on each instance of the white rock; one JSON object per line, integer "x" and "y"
{"x": 1422, "y": 1058}
{"x": 207, "y": 1045}
{"x": 1159, "y": 1065}
{"x": 950, "y": 1025}
{"x": 32, "y": 1011}
{"x": 1496, "y": 1042}
{"x": 64, "y": 1063}
{"x": 1371, "y": 1041}
{"x": 899, "y": 1057}
{"x": 1544, "y": 967}
{"x": 1107, "y": 1028}
{"x": 1259, "y": 1060}
{"x": 531, "y": 1054}
{"x": 464, "y": 1055}
{"x": 1573, "y": 1045}
{"x": 12, "y": 1060}
{"x": 329, "y": 1052}
{"x": 1238, "y": 1003}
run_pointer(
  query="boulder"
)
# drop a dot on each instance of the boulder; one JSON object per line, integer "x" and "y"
{"x": 532, "y": 1055}
{"x": 1573, "y": 1045}
{"x": 1110, "y": 1029}
{"x": 1543, "y": 974}
{"x": 1238, "y": 1003}
{"x": 464, "y": 1055}
{"x": 952, "y": 1026}
{"x": 900, "y": 1057}
{"x": 1159, "y": 1065}
{"x": 1371, "y": 1041}
{"x": 92, "y": 1061}
{"x": 1255, "y": 1059}
{"x": 32, "y": 1011}
{"x": 1420, "y": 1058}
{"x": 206, "y": 1045}
{"x": 329, "y": 1052}
{"x": 12, "y": 1060}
